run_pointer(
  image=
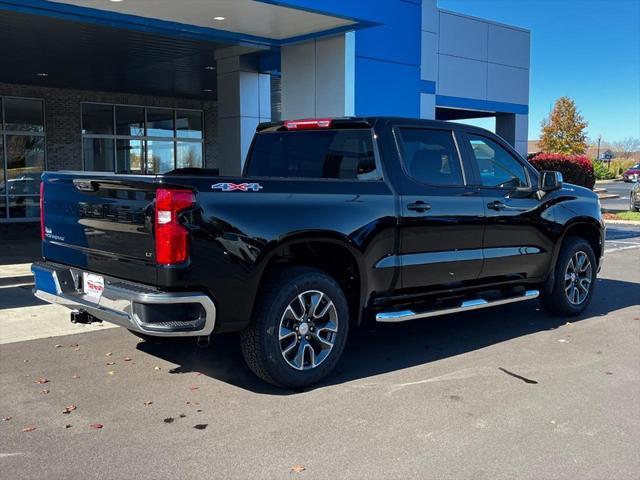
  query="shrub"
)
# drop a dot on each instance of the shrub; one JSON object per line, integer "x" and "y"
{"x": 576, "y": 169}
{"x": 602, "y": 172}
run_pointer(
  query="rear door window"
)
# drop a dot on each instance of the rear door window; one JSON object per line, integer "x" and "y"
{"x": 430, "y": 156}
{"x": 337, "y": 154}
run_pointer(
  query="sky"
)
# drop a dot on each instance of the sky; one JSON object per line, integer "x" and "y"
{"x": 588, "y": 50}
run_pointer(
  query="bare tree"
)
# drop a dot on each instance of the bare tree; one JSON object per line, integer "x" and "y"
{"x": 624, "y": 148}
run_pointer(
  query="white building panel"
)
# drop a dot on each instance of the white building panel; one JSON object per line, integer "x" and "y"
{"x": 429, "y": 63}
{"x": 461, "y": 77}
{"x": 508, "y": 84}
{"x": 509, "y": 46}
{"x": 463, "y": 36}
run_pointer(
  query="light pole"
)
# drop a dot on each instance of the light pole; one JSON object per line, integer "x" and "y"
{"x": 598, "y": 156}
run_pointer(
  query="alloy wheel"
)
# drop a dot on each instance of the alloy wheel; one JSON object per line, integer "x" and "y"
{"x": 308, "y": 330}
{"x": 577, "y": 278}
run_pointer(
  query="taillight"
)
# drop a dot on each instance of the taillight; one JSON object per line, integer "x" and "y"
{"x": 172, "y": 238}
{"x": 42, "y": 210}
{"x": 307, "y": 124}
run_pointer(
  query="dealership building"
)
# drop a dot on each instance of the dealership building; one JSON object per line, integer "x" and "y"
{"x": 146, "y": 86}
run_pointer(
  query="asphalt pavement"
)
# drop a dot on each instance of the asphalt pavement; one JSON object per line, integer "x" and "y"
{"x": 508, "y": 392}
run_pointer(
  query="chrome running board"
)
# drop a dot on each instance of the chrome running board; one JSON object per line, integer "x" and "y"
{"x": 405, "y": 315}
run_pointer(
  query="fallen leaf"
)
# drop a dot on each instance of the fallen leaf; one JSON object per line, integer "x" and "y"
{"x": 562, "y": 340}
{"x": 200, "y": 426}
{"x": 182, "y": 415}
{"x": 25, "y": 361}
{"x": 67, "y": 426}
{"x": 75, "y": 376}
{"x": 111, "y": 372}
{"x": 169, "y": 420}
{"x": 76, "y": 349}
{"x": 568, "y": 323}
{"x": 28, "y": 429}
{"x": 127, "y": 359}
{"x": 111, "y": 363}
{"x": 42, "y": 381}
{"x": 194, "y": 387}
{"x": 57, "y": 346}
{"x": 45, "y": 391}
{"x": 147, "y": 403}
{"x": 197, "y": 374}
{"x": 6, "y": 419}
{"x": 108, "y": 354}
{"x": 198, "y": 410}
{"x": 608, "y": 373}
{"x": 97, "y": 426}
{"x": 298, "y": 469}
{"x": 69, "y": 409}
{"x": 157, "y": 368}
{"x": 74, "y": 345}
{"x": 192, "y": 402}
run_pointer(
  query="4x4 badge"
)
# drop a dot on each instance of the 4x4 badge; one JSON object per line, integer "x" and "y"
{"x": 243, "y": 187}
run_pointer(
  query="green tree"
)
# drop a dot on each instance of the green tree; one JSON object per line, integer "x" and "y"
{"x": 564, "y": 130}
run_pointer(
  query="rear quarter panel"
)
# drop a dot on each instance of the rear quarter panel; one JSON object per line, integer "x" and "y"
{"x": 235, "y": 233}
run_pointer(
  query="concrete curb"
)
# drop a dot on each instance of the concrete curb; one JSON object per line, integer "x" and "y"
{"x": 622, "y": 222}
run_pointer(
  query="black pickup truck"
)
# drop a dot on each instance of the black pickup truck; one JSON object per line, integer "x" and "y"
{"x": 334, "y": 222}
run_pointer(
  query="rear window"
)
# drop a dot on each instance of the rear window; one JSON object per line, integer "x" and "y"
{"x": 339, "y": 154}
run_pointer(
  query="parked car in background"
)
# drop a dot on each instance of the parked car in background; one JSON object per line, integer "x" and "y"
{"x": 634, "y": 198}
{"x": 632, "y": 174}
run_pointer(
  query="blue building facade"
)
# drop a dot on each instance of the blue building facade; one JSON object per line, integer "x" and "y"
{"x": 234, "y": 63}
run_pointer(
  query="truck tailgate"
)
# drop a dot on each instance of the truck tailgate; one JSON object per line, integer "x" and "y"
{"x": 100, "y": 223}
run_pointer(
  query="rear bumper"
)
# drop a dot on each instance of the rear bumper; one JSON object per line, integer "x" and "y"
{"x": 137, "y": 307}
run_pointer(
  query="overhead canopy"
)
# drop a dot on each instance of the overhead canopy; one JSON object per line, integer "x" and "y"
{"x": 156, "y": 47}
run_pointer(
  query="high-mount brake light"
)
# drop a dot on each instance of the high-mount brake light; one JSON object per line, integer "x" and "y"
{"x": 42, "y": 210}
{"x": 308, "y": 124}
{"x": 172, "y": 238}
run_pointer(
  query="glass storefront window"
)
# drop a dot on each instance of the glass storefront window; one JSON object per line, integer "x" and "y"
{"x": 160, "y": 156}
{"x": 22, "y": 157}
{"x": 159, "y": 122}
{"x": 188, "y": 124}
{"x": 129, "y": 156}
{"x": 25, "y": 164}
{"x": 141, "y": 140}
{"x": 189, "y": 155}
{"x": 24, "y": 206}
{"x": 98, "y": 154}
{"x": 23, "y": 115}
{"x": 130, "y": 121}
{"x": 97, "y": 119}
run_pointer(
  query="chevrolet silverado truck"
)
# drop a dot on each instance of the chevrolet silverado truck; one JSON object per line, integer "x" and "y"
{"x": 333, "y": 223}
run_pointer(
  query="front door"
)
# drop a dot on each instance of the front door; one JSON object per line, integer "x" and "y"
{"x": 516, "y": 239}
{"x": 441, "y": 223}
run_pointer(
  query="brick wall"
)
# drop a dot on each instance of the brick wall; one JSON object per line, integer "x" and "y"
{"x": 62, "y": 119}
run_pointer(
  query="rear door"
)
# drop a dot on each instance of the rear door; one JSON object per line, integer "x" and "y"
{"x": 101, "y": 223}
{"x": 516, "y": 239}
{"x": 441, "y": 224}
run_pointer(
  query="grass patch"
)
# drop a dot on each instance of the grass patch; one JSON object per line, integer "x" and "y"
{"x": 635, "y": 216}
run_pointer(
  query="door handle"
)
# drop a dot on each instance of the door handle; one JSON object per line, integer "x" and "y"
{"x": 497, "y": 205}
{"x": 419, "y": 206}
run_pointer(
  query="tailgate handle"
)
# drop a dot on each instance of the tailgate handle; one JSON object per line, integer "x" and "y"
{"x": 85, "y": 185}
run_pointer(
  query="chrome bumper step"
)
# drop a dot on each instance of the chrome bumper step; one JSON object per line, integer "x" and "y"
{"x": 468, "y": 305}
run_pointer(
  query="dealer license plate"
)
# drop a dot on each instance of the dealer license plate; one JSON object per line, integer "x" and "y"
{"x": 93, "y": 285}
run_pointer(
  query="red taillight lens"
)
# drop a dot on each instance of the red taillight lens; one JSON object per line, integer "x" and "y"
{"x": 308, "y": 124}
{"x": 172, "y": 239}
{"x": 41, "y": 210}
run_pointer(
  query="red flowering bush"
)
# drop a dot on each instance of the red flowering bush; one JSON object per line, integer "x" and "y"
{"x": 576, "y": 169}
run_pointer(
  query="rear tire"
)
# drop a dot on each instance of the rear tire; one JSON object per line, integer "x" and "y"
{"x": 299, "y": 328}
{"x": 574, "y": 279}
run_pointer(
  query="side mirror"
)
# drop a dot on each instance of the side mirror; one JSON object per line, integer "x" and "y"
{"x": 550, "y": 180}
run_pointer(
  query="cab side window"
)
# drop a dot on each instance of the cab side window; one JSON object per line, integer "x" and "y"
{"x": 431, "y": 156}
{"x": 497, "y": 167}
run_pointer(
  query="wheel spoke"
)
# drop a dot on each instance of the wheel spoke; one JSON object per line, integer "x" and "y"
{"x": 322, "y": 341}
{"x": 285, "y": 332}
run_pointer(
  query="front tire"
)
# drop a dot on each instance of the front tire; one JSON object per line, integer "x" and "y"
{"x": 574, "y": 279}
{"x": 299, "y": 328}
